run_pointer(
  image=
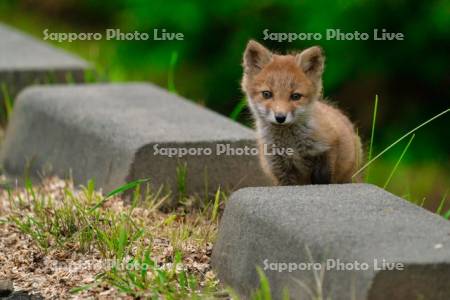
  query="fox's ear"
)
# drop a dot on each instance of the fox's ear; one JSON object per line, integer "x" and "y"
{"x": 256, "y": 56}
{"x": 312, "y": 61}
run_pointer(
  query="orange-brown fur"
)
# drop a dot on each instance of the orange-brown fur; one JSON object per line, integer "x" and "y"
{"x": 326, "y": 147}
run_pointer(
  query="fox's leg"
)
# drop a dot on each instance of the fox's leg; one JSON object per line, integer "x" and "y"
{"x": 283, "y": 171}
{"x": 321, "y": 172}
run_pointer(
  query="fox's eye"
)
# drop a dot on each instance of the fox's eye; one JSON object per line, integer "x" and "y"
{"x": 296, "y": 96}
{"x": 267, "y": 94}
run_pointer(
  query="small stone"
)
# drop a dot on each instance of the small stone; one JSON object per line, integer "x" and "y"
{"x": 438, "y": 246}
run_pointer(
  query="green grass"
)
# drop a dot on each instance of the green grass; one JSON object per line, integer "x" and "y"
{"x": 388, "y": 180}
{"x": 171, "y": 74}
{"x": 399, "y": 140}
{"x": 145, "y": 279}
{"x": 50, "y": 78}
{"x": 89, "y": 76}
{"x": 441, "y": 206}
{"x": 126, "y": 187}
{"x": 215, "y": 210}
{"x": 181, "y": 181}
{"x": 69, "y": 78}
{"x": 447, "y": 215}
{"x": 8, "y": 104}
{"x": 384, "y": 177}
{"x": 372, "y": 135}
{"x": 238, "y": 109}
{"x": 87, "y": 222}
{"x": 263, "y": 292}
{"x": 73, "y": 219}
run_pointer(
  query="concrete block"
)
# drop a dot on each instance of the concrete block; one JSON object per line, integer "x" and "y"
{"x": 25, "y": 61}
{"x": 110, "y": 133}
{"x": 333, "y": 242}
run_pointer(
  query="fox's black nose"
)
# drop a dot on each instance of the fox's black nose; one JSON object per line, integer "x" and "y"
{"x": 280, "y": 118}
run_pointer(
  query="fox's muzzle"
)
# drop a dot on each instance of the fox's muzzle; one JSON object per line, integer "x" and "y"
{"x": 280, "y": 118}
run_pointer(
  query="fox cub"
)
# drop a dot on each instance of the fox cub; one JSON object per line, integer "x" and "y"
{"x": 284, "y": 94}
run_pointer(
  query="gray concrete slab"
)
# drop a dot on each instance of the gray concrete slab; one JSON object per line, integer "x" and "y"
{"x": 110, "y": 133}
{"x": 292, "y": 233}
{"x": 25, "y": 60}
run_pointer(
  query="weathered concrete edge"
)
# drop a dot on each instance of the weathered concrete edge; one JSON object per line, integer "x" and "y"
{"x": 254, "y": 176}
{"x": 77, "y": 61}
{"x": 375, "y": 278}
{"x": 130, "y": 156}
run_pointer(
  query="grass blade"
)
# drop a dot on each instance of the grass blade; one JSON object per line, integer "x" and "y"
{"x": 181, "y": 180}
{"x": 122, "y": 239}
{"x": 441, "y": 205}
{"x": 7, "y": 100}
{"x": 171, "y": 74}
{"x": 398, "y": 162}
{"x": 123, "y": 188}
{"x": 238, "y": 109}
{"x": 215, "y": 210}
{"x": 126, "y": 187}
{"x": 70, "y": 79}
{"x": 447, "y": 215}
{"x": 399, "y": 140}
{"x": 372, "y": 134}
{"x": 264, "y": 289}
